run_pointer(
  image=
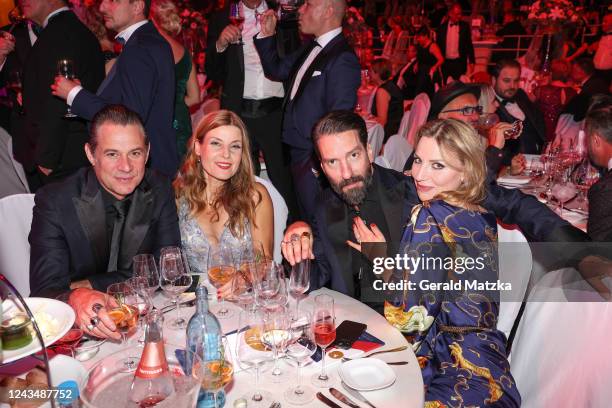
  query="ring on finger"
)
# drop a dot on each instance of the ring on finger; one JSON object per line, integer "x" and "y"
{"x": 94, "y": 321}
{"x": 90, "y": 327}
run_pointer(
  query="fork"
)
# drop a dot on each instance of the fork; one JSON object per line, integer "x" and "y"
{"x": 402, "y": 348}
{"x": 275, "y": 404}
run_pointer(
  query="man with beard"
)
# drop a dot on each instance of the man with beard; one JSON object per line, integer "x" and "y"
{"x": 367, "y": 201}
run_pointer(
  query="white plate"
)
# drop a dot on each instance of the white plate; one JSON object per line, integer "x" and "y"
{"x": 60, "y": 311}
{"x": 367, "y": 374}
{"x": 516, "y": 180}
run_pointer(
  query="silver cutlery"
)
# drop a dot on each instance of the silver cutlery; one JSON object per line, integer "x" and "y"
{"x": 356, "y": 394}
{"x": 327, "y": 401}
{"x": 343, "y": 398}
{"x": 169, "y": 308}
{"x": 397, "y": 362}
{"x": 402, "y": 348}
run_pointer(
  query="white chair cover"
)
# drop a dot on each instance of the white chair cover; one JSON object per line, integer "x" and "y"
{"x": 13, "y": 180}
{"x": 382, "y": 162}
{"x": 376, "y": 135}
{"x": 566, "y": 132}
{"x": 16, "y": 221}
{"x": 280, "y": 217}
{"x": 562, "y": 355}
{"x": 396, "y": 152}
{"x": 209, "y": 105}
{"x": 416, "y": 118}
{"x": 515, "y": 265}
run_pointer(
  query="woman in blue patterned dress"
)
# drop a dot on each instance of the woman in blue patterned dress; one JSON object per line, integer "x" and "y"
{"x": 218, "y": 199}
{"x": 461, "y": 353}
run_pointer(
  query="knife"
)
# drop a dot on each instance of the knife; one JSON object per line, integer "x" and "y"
{"x": 357, "y": 395}
{"x": 343, "y": 398}
{"x": 327, "y": 401}
{"x": 189, "y": 303}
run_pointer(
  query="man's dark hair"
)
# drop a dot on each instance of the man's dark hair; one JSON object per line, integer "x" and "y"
{"x": 504, "y": 63}
{"x": 338, "y": 122}
{"x": 599, "y": 117}
{"x": 586, "y": 65}
{"x": 117, "y": 115}
{"x": 424, "y": 31}
{"x": 382, "y": 66}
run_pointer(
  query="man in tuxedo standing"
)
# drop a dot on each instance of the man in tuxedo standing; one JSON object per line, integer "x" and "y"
{"x": 142, "y": 79}
{"x": 591, "y": 84}
{"x": 49, "y": 145}
{"x": 323, "y": 75}
{"x": 246, "y": 90}
{"x": 454, "y": 38}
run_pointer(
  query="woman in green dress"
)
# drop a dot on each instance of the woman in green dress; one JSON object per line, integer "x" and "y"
{"x": 164, "y": 15}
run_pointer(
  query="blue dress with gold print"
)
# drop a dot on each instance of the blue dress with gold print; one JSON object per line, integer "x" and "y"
{"x": 462, "y": 354}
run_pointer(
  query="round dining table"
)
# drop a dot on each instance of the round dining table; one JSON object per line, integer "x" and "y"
{"x": 406, "y": 391}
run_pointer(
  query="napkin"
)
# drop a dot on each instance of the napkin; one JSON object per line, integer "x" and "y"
{"x": 517, "y": 180}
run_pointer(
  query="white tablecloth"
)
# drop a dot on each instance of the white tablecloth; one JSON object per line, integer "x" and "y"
{"x": 407, "y": 391}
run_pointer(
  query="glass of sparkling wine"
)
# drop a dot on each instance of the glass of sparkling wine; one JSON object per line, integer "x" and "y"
{"x": 216, "y": 374}
{"x": 124, "y": 313}
{"x": 324, "y": 326}
{"x": 221, "y": 272}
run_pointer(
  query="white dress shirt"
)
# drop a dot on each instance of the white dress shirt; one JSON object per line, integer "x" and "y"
{"x": 452, "y": 41}
{"x": 513, "y": 109}
{"x": 322, "y": 41}
{"x": 256, "y": 85}
{"x": 125, "y": 35}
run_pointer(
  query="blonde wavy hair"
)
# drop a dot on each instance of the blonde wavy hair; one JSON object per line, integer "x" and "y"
{"x": 165, "y": 13}
{"x": 238, "y": 196}
{"x": 457, "y": 138}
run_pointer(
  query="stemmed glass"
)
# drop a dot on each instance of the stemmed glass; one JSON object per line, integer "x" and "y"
{"x": 174, "y": 280}
{"x": 301, "y": 347}
{"x": 221, "y": 271}
{"x": 124, "y": 313}
{"x": 324, "y": 326}
{"x": 275, "y": 337}
{"x": 485, "y": 122}
{"x": 250, "y": 257}
{"x": 299, "y": 282}
{"x": 564, "y": 191}
{"x": 236, "y": 18}
{"x": 144, "y": 266}
{"x": 217, "y": 369}
{"x": 65, "y": 68}
{"x": 252, "y": 353}
{"x": 584, "y": 177}
{"x": 270, "y": 286}
{"x": 142, "y": 301}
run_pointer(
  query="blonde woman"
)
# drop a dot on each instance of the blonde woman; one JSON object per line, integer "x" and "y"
{"x": 164, "y": 15}
{"x": 218, "y": 200}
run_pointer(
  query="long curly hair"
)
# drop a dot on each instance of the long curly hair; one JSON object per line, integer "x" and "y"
{"x": 166, "y": 15}
{"x": 238, "y": 196}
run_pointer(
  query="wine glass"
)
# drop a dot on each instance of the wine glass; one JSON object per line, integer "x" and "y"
{"x": 15, "y": 17}
{"x": 144, "y": 266}
{"x": 299, "y": 281}
{"x": 275, "y": 337}
{"x": 174, "y": 281}
{"x": 65, "y": 68}
{"x": 301, "y": 347}
{"x": 242, "y": 285}
{"x": 270, "y": 286}
{"x": 252, "y": 353}
{"x": 564, "y": 191}
{"x": 236, "y": 18}
{"x": 324, "y": 326}
{"x": 485, "y": 122}
{"x": 221, "y": 271}
{"x": 120, "y": 308}
{"x": 142, "y": 301}
{"x": 217, "y": 369}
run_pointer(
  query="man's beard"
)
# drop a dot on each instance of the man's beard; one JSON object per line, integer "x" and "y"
{"x": 355, "y": 195}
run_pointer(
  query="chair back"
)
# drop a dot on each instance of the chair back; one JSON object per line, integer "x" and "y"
{"x": 13, "y": 180}
{"x": 396, "y": 152}
{"x": 280, "y": 216}
{"x": 416, "y": 118}
{"x": 16, "y": 221}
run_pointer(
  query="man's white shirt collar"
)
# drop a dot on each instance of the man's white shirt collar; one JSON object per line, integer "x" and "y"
{"x": 326, "y": 38}
{"x": 59, "y": 10}
{"x": 263, "y": 6}
{"x": 127, "y": 33}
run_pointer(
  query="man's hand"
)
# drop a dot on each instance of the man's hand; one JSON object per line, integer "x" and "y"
{"x": 84, "y": 302}
{"x": 230, "y": 34}
{"x": 7, "y": 45}
{"x": 268, "y": 23}
{"x": 62, "y": 86}
{"x": 297, "y": 243}
{"x": 496, "y": 134}
{"x": 593, "y": 269}
{"x": 45, "y": 170}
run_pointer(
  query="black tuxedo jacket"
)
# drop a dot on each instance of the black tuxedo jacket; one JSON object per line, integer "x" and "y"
{"x": 397, "y": 195}
{"x": 599, "y": 226}
{"x": 69, "y": 234}
{"x": 227, "y": 67}
{"x": 466, "y": 48}
{"x": 579, "y": 104}
{"x": 411, "y": 80}
{"x": 46, "y": 138}
{"x": 143, "y": 80}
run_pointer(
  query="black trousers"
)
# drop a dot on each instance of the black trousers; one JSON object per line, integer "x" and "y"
{"x": 265, "y": 134}
{"x": 454, "y": 68}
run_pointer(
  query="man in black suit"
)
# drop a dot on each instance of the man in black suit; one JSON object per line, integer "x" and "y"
{"x": 246, "y": 90}
{"x": 142, "y": 79}
{"x": 516, "y": 105}
{"x": 591, "y": 84}
{"x": 407, "y": 78}
{"x": 511, "y": 28}
{"x": 87, "y": 228}
{"x": 364, "y": 195}
{"x": 50, "y": 146}
{"x": 454, "y": 38}
{"x": 598, "y": 128}
{"x": 321, "y": 76}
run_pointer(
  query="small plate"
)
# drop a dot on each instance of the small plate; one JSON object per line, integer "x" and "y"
{"x": 367, "y": 374}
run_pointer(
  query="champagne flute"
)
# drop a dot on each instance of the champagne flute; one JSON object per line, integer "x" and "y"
{"x": 217, "y": 369}
{"x": 324, "y": 326}
{"x": 120, "y": 308}
{"x": 251, "y": 353}
{"x": 299, "y": 281}
{"x": 301, "y": 347}
{"x": 175, "y": 280}
{"x": 275, "y": 337}
{"x": 65, "y": 68}
{"x": 236, "y": 18}
{"x": 221, "y": 271}
{"x": 144, "y": 266}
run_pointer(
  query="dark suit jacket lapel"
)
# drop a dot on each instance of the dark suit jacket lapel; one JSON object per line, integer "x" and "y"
{"x": 88, "y": 207}
{"x": 305, "y": 52}
{"x": 392, "y": 202}
{"x": 337, "y": 219}
{"x": 137, "y": 224}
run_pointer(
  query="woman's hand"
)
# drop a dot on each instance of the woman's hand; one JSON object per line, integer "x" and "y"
{"x": 366, "y": 234}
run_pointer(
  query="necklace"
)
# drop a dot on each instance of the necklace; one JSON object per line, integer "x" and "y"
{"x": 209, "y": 202}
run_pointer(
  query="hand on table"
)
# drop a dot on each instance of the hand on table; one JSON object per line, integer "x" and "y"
{"x": 85, "y": 302}
{"x": 517, "y": 164}
{"x": 297, "y": 243}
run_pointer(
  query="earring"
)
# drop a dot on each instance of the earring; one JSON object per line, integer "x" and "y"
{"x": 198, "y": 160}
